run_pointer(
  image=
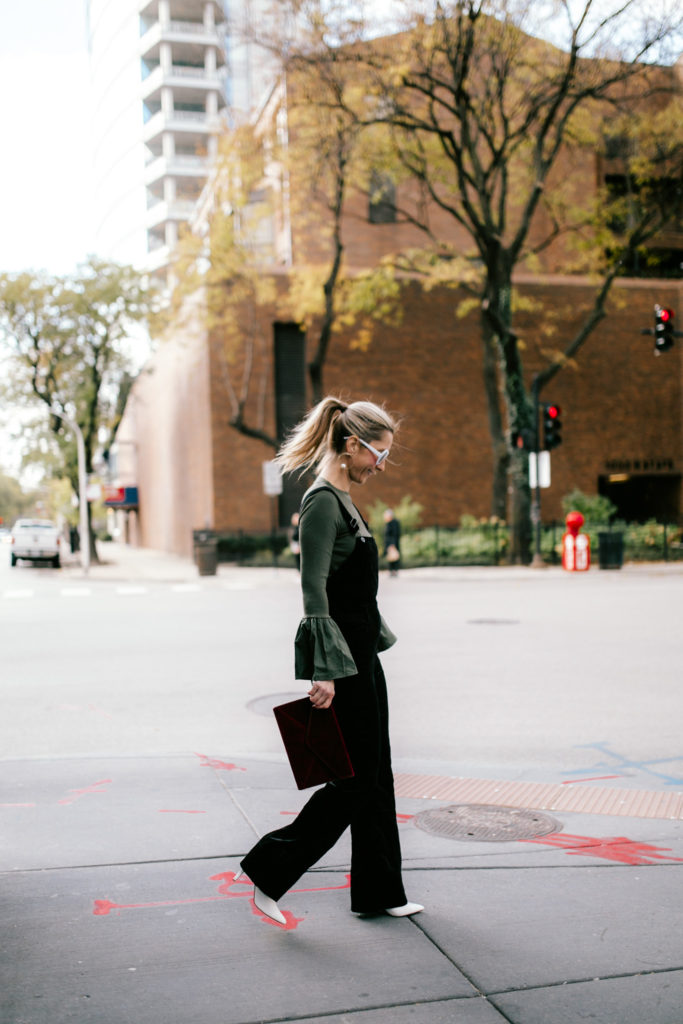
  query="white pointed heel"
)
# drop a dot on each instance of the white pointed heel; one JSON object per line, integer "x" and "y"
{"x": 264, "y": 903}
{"x": 405, "y": 911}
{"x": 268, "y": 907}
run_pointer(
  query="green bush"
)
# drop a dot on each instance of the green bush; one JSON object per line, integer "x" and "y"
{"x": 483, "y": 543}
{"x": 650, "y": 541}
{"x": 594, "y": 508}
{"x": 408, "y": 513}
{"x": 248, "y": 546}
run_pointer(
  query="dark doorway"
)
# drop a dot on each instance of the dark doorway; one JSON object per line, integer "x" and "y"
{"x": 642, "y": 497}
{"x": 290, "y": 405}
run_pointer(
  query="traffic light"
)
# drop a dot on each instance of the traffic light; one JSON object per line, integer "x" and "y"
{"x": 664, "y": 328}
{"x": 552, "y": 426}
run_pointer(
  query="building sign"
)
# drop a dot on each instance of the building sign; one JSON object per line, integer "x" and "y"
{"x": 640, "y": 465}
{"x": 272, "y": 479}
{"x": 120, "y": 497}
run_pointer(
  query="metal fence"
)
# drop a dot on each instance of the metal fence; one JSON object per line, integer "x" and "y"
{"x": 483, "y": 543}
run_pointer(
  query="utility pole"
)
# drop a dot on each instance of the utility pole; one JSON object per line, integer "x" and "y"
{"x": 537, "y": 561}
{"x": 84, "y": 527}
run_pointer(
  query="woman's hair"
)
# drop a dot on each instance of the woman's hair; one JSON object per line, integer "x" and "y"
{"x": 325, "y": 429}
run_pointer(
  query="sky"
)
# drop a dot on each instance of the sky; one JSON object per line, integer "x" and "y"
{"x": 44, "y": 198}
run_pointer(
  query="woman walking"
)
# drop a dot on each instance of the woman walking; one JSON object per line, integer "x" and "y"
{"x": 336, "y": 648}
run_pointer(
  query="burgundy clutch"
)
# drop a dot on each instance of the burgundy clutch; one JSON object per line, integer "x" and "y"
{"x": 313, "y": 742}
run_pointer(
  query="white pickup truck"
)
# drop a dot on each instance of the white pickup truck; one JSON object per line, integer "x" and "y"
{"x": 35, "y": 540}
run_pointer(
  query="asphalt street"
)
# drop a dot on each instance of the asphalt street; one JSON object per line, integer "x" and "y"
{"x": 514, "y": 670}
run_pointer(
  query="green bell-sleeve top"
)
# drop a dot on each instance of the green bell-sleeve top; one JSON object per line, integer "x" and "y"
{"x": 320, "y": 650}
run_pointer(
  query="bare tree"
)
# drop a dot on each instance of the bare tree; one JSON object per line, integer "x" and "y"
{"x": 479, "y": 112}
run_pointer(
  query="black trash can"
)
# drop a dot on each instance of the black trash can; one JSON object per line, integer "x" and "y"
{"x": 611, "y": 550}
{"x": 205, "y": 552}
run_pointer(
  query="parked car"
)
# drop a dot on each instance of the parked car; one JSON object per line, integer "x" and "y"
{"x": 35, "y": 540}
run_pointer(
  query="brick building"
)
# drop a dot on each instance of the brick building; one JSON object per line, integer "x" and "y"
{"x": 622, "y": 407}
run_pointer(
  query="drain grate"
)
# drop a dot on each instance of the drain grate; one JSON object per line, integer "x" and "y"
{"x": 264, "y": 705}
{"x": 485, "y": 823}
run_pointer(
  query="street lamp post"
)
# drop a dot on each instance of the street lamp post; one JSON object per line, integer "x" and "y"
{"x": 82, "y": 490}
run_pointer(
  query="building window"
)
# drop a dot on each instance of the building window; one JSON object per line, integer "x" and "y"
{"x": 653, "y": 259}
{"x": 382, "y": 199}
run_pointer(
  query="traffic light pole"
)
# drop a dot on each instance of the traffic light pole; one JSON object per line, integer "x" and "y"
{"x": 537, "y": 561}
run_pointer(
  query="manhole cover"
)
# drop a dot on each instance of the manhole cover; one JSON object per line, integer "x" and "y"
{"x": 264, "y": 705}
{"x": 486, "y": 824}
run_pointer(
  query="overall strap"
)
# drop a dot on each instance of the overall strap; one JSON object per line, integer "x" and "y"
{"x": 350, "y": 520}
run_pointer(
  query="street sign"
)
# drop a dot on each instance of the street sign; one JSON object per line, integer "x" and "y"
{"x": 272, "y": 479}
{"x": 120, "y": 497}
{"x": 539, "y": 469}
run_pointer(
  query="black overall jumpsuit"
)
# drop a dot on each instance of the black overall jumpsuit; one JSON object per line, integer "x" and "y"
{"x": 366, "y": 801}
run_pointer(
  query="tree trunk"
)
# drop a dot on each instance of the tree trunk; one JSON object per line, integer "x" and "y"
{"x": 496, "y": 309}
{"x": 94, "y": 555}
{"x": 521, "y": 534}
{"x": 501, "y": 456}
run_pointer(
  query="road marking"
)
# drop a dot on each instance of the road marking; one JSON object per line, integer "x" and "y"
{"x": 11, "y": 594}
{"x": 131, "y": 590}
{"x": 185, "y": 588}
{"x": 76, "y": 592}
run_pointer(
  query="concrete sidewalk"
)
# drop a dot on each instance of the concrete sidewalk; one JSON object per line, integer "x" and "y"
{"x": 549, "y": 899}
{"x": 120, "y": 905}
{"x": 122, "y": 562}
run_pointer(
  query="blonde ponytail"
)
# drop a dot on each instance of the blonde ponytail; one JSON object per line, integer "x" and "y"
{"x": 325, "y": 428}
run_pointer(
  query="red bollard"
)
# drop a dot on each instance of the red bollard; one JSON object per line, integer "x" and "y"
{"x": 576, "y": 546}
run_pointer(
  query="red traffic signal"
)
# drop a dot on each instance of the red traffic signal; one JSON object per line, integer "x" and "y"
{"x": 552, "y": 426}
{"x": 664, "y": 328}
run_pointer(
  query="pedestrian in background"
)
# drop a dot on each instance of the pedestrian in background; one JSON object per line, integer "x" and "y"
{"x": 336, "y": 647}
{"x": 392, "y": 541}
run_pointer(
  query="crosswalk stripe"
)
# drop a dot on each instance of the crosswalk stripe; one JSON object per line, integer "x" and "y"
{"x": 76, "y": 592}
{"x": 131, "y": 590}
{"x": 18, "y": 593}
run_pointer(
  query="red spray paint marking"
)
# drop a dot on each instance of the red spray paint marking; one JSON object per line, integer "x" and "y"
{"x": 77, "y": 793}
{"x": 181, "y": 812}
{"x": 290, "y": 924}
{"x": 597, "y": 778}
{"x": 212, "y": 762}
{"x": 102, "y": 908}
{"x": 228, "y": 880}
{"x": 616, "y": 848}
{"x": 17, "y": 805}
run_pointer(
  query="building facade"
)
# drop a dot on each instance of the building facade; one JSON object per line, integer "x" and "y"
{"x": 622, "y": 407}
{"x": 165, "y": 75}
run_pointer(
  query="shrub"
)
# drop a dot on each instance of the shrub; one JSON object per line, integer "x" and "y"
{"x": 408, "y": 513}
{"x": 594, "y": 508}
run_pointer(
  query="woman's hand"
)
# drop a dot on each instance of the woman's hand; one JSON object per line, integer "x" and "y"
{"x": 321, "y": 693}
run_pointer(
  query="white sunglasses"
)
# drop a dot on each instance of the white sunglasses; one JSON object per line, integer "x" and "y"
{"x": 380, "y": 457}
